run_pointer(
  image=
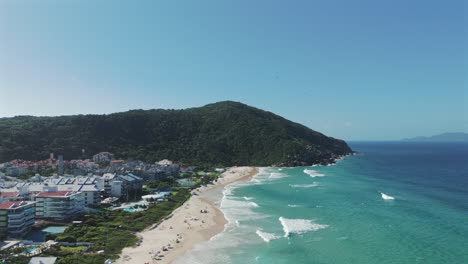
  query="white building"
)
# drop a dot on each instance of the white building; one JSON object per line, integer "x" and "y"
{"x": 59, "y": 205}
{"x": 16, "y": 217}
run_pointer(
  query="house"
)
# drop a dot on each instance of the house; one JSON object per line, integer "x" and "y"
{"x": 103, "y": 157}
{"x": 16, "y": 217}
{"x": 221, "y": 170}
{"x": 164, "y": 162}
{"x": 43, "y": 260}
{"x": 59, "y": 205}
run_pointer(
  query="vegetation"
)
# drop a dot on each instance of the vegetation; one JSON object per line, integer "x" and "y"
{"x": 12, "y": 259}
{"x": 220, "y": 134}
{"x": 111, "y": 231}
{"x": 163, "y": 184}
{"x": 73, "y": 249}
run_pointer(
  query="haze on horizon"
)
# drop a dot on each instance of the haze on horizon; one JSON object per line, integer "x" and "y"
{"x": 377, "y": 70}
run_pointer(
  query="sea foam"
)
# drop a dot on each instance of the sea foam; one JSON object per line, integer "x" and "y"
{"x": 314, "y": 184}
{"x": 267, "y": 237}
{"x": 299, "y": 226}
{"x": 386, "y": 197}
{"x": 277, "y": 175}
{"x": 253, "y": 204}
{"x": 313, "y": 173}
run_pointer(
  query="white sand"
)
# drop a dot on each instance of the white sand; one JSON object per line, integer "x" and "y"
{"x": 187, "y": 225}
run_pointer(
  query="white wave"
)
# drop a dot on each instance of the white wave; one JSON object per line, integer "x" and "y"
{"x": 314, "y": 184}
{"x": 262, "y": 176}
{"x": 253, "y": 204}
{"x": 299, "y": 226}
{"x": 293, "y": 205}
{"x": 239, "y": 210}
{"x": 248, "y": 198}
{"x": 267, "y": 237}
{"x": 280, "y": 169}
{"x": 256, "y": 180}
{"x": 313, "y": 173}
{"x": 386, "y": 197}
{"x": 277, "y": 175}
{"x": 227, "y": 191}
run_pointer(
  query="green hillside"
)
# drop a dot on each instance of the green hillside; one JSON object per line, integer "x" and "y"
{"x": 224, "y": 133}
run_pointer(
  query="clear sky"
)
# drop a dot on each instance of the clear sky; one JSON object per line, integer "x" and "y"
{"x": 357, "y": 70}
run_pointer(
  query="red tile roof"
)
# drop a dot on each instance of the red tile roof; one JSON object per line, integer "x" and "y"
{"x": 9, "y": 194}
{"x": 54, "y": 194}
{"x": 7, "y": 204}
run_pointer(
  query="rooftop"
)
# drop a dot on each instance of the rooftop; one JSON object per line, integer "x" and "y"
{"x": 55, "y": 194}
{"x": 9, "y": 194}
{"x": 43, "y": 260}
{"x": 12, "y": 204}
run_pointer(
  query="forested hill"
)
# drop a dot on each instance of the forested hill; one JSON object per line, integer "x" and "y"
{"x": 224, "y": 134}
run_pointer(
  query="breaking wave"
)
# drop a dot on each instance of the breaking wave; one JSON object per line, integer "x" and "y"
{"x": 267, "y": 237}
{"x": 299, "y": 226}
{"x": 313, "y": 173}
{"x": 314, "y": 184}
{"x": 277, "y": 175}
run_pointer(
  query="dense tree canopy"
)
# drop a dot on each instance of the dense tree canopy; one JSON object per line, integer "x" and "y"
{"x": 224, "y": 133}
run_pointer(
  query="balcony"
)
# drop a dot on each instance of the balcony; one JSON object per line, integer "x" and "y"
{"x": 16, "y": 225}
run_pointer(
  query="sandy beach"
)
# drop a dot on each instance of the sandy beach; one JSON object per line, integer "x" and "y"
{"x": 195, "y": 221}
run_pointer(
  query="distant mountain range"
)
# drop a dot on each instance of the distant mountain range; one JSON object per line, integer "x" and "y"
{"x": 445, "y": 137}
{"x": 225, "y": 134}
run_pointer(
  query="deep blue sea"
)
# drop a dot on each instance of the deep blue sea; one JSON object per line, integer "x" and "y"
{"x": 338, "y": 214}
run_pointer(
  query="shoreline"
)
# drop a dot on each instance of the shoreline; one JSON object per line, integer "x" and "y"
{"x": 197, "y": 220}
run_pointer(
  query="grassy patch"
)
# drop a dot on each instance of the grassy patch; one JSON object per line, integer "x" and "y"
{"x": 73, "y": 249}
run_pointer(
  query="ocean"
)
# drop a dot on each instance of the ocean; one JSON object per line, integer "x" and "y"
{"x": 337, "y": 214}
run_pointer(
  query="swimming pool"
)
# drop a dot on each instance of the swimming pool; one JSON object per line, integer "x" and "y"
{"x": 186, "y": 183}
{"x": 133, "y": 210}
{"x": 29, "y": 250}
{"x": 54, "y": 229}
{"x": 39, "y": 235}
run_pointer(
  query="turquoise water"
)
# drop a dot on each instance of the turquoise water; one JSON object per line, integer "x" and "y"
{"x": 336, "y": 214}
{"x": 29, "y": 250}
{"x": 186, "y": 183}
{"x": 133, "y": 210}
{"x": 54, "y": 229}
{"x": 39, "y": 235}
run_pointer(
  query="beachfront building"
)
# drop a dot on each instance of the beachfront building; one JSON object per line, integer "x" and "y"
{"x": 59, "y": 205}
{"x": 131, "y": 187}
{"x": 122, "y": 186}
{"x": 90, "y": 186}
{"x": 16, "y": 217}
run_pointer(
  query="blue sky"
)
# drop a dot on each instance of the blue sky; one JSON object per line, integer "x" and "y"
{"x": 357, "y": 70}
